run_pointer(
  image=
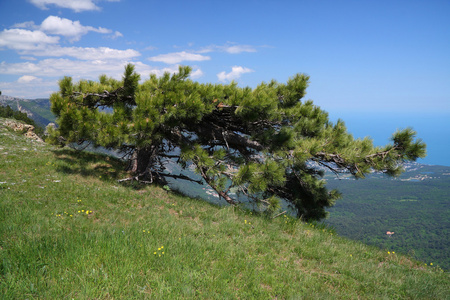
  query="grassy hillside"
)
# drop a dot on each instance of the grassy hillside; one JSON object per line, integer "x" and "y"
{"x": 69, "y": 230}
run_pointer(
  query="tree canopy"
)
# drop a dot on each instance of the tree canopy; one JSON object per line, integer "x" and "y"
{"x": 267, "y": 143}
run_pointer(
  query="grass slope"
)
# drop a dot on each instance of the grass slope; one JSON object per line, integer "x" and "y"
{"x": 69, "y": 230}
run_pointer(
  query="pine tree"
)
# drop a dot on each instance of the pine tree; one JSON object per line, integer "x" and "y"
{"x": 266, "y": 142}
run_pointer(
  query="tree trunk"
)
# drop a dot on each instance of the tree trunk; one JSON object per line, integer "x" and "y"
{"x": 140, "y": 161}
{"x": 142, "y": 166}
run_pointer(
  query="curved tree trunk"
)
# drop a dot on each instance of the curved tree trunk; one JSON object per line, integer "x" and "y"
{"x": 140, "y": 161}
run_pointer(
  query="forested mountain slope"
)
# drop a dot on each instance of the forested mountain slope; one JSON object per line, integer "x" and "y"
{"x": 36, "y": 109}
{"x": 416, "y": 207}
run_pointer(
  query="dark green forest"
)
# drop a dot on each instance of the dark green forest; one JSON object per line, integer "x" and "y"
{"x": 416, "y": 207}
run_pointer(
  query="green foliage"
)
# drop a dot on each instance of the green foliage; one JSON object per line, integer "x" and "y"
{"x": 265, "y": 142}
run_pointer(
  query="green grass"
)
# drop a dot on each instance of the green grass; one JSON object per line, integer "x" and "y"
{"x": 68, "y": 230}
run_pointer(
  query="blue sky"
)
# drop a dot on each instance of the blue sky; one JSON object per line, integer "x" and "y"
{"x": 363, "y": 56}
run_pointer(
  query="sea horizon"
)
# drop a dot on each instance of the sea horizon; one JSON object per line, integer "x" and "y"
{"x": 433, "y": 128}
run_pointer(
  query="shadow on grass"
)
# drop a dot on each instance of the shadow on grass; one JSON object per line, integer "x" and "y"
{"x": 106, "y": 168}
{"x": 89, "y": 164}
{"x": 96, "y": 165}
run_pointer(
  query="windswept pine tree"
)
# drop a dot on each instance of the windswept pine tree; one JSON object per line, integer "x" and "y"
{"x": 266, "y": 142}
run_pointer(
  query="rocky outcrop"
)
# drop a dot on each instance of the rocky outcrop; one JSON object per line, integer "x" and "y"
{"x": 28, "y": 130}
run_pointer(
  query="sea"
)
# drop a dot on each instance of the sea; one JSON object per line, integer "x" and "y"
{"x": 432, "y": 128}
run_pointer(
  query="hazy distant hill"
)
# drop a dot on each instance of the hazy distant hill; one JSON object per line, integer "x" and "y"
{"x": 36, "y": 109}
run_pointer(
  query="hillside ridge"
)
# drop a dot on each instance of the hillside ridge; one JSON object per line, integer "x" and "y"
{"x": 36, "y": 109}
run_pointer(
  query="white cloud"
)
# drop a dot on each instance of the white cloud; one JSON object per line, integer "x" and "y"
{"x": 177, "y": 57}
{"x": 75, "y": 5}
{"x": 196, "y": 74}
{"x": 235, "y": 73}
{"x": 68, "y": 28}
{"x": 65, "y": 27}
{"x": 26, "y": 40}
{"x": 28, "y": 78}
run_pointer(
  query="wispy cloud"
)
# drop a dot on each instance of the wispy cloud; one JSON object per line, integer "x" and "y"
{"x": 235, "y": 73}
{"x": 75, "y": 5}
{"x": 116, "y": 35}
{"x": 86, "y": 53}
{"x": 150, "y": 48}
{"x": 177, "y": 57}
{"x": 28, "y": 58}
{"x": 229, "y": 48}
{"x": 28, "y": 24}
